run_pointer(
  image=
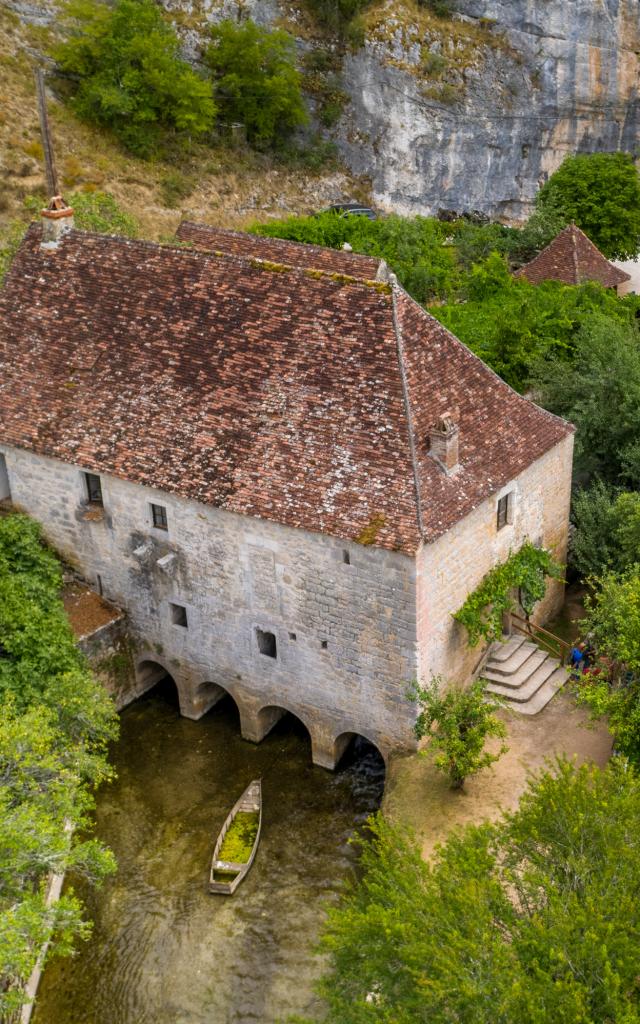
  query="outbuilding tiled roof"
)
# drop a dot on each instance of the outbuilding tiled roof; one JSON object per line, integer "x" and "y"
{"x": 285, "y": 394}
{"x": 293, "y": 254}
{"x": 572, "y": 258}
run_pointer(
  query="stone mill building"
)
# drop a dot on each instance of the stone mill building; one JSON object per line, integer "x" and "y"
{"x": 281, "y": 467}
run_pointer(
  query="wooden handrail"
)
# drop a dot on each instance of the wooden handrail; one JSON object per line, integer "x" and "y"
{"x": 530, "y": 629}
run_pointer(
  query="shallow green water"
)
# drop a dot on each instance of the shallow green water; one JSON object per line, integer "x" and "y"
{"x": 165, "y": 951}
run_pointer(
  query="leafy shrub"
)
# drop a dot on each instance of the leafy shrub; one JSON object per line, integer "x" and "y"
{"x": 337, "y": 16}
{"x": 175, "y": 187}
{"x": 127, "y": 76}
{"x": 613, "y": 625}
{"x": 601, "y": 193}
{"x": 457, "y": 725}
{"x": 255, "y": 80}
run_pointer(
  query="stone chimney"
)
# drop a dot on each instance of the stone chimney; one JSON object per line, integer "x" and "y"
{"x": 443, "y": 438}
{"x": 57, "y": 220}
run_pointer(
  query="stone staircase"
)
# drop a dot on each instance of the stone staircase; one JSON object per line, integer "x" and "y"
{"x": 523, "y": 674}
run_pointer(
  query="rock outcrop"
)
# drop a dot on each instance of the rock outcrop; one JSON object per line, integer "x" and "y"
{"x": 473, "y": 111}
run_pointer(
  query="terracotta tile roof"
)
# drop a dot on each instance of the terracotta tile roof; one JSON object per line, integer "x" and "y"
{"x": 572, "y": 258}
{"x": 294, "y": 254}
{"x": 279, "y": 394}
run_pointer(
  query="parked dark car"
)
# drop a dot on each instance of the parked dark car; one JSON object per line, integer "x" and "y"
{"x": 352, "y": 210}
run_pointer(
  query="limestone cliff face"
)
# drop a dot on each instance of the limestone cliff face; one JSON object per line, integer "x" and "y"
{"x": 471, "y": 112}
{"x": 474, "y": 114}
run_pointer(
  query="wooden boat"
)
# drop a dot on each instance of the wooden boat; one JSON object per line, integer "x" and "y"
{"x": 226, "y": 875}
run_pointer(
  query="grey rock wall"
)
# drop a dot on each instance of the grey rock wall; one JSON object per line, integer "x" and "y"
{"x": 469, "y": 113}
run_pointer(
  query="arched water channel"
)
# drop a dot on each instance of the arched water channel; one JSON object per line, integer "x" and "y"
{"x": 163, "y": 950}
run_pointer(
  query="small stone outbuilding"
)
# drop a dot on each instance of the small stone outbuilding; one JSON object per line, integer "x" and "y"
{"x": 285, "y": 471}
{"x": 572, "y": 258}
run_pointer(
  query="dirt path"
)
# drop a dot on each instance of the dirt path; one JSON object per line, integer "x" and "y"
{"x": 420, "y": 797}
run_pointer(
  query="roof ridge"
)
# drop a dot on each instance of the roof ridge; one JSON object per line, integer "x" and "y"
{"x": 277, "y": 238}
{"x": 380, "y": 286}
{"x": 407, "y": 404}
{"x": 574, "y": 246}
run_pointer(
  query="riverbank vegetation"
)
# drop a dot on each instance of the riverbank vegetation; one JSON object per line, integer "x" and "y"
{"x": 55, "y": 724}
{"x": 532, "y": 919}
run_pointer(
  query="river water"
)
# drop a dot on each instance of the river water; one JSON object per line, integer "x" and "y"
{"x": 165, "y": 951}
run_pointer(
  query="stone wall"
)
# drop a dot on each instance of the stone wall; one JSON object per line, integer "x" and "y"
{"x": 111, "y": 654}
{"x": 345, "y": 633}
{"x": 453, "y": 566}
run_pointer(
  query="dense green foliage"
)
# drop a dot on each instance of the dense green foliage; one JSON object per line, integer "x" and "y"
{"x": 457, "y": 725}
{"x": 124, "y": 63}
{"x": 613, "y": 625}
{"x": 337, "y": 16}
{"x": 526, "y": 571}
{"x": 55, "y": 723}
{"x": 606, "y": 535}
{"x": 532, "y": 920}
{"x": 514, "y": 325}
{"x": 599, "y": 391}
{"x": 255, "y": 79}
{"x": 9, "y": 243}
{"x": 601, "y": 193}
{"x": 412, "y": 247}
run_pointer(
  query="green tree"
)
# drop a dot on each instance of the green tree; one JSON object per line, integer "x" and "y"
{"x": 457, "y": 725}
{"x": 606, "y": 533}
{"x": 531, "y": 920}
{"x": 600, "y": 393}
{"x": 601, "y": 193}
{"x": 255, "y": 79}
{"x": 56, "y": 721}
{"x": 124, "y": 63}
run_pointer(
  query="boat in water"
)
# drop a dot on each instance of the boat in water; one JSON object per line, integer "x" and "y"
{"x": 237, "y": 843}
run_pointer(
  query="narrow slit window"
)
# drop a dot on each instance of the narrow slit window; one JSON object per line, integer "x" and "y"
{"x": 93, "y": 485}
{"x": 159, "y": 517}
{"x": 324, "y": 644}
{"x": 505, "y": 510}
{"x": 266, "y": 643}
{"x": 99, "y": 584}
{"x": 346, "y": 558}
{"x": 179, "y": 615}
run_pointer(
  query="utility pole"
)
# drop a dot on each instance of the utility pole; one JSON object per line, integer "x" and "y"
{"x": 49, "y": 161}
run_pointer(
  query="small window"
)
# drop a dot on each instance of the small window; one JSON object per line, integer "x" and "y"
{"x": 179, "y": 615}
{"x": 159, "y": 517}
{"x": 346, "y": 558}
{"x": 293, "y": 636}
{"x": 505, "y": 510}
{"x": 94, "y": 488}
{"x": 99, "y": 584}
{"x": 324, "y": 644}
{"x": 266, "y": 643}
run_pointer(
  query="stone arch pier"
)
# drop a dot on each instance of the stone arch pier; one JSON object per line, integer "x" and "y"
{"x": 197, "y": 695}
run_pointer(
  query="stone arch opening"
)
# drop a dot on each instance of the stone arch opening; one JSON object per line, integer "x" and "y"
{"x": 352, "y": 748}
{"x": 286, "y": 720}
{"x": 153, "y": 676}
{"x": 209, "y": 696}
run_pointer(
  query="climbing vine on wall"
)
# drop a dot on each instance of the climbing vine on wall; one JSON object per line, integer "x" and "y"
{"x": 526, "y": 570}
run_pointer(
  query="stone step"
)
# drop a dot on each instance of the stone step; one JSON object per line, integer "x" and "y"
{"x": 514, "y": 662}
{"x": 542, "y": 697}
{"x": 502, "y": 650}
{"x": 526, "y": 691}
{"x": 519, "y": 676}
